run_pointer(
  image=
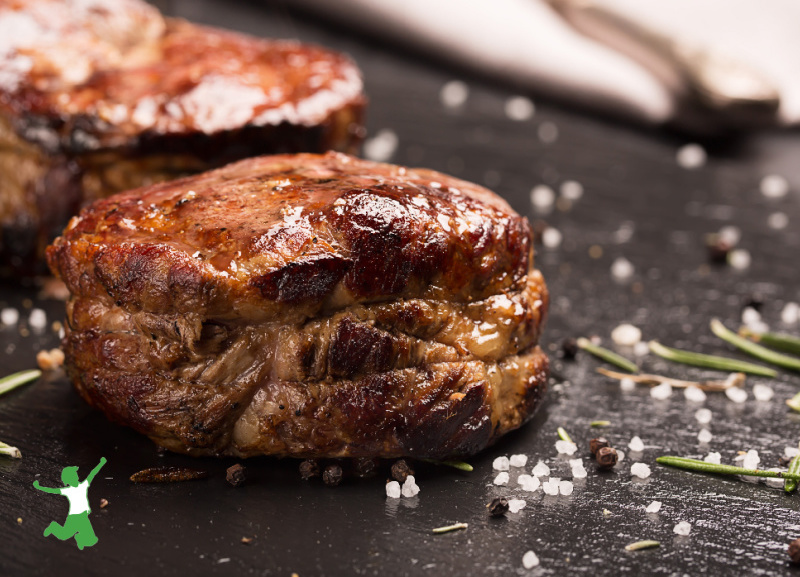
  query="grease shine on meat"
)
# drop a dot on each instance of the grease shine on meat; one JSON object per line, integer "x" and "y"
{"x": 306, "y": 306}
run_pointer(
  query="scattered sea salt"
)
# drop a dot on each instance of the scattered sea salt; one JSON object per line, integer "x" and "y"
{"x": 501, "y": 464}
{"x": 566, "y": 447}
{"x": 627, "y": 384}
{"x": 620, "y": 456}
{"x": 750, "y": 316}
{"x": 528, "y": 483}
{"x": 736, "y": 394}
{"x": 739, "y": 259}
{"x": 551, "y": 237}
{"x": 530, "y": 560}
{"x": 683, "y": 528}
{"x": 519, "y": 108}
{"x": 501, "y": 479}
{"x": 703, "y": 416}
{"x": 579, "y": 472}
{"x": 714, "y": 458}
{"x": 774, "y": 186}
{"x": 454, "y": 94}
{"x": 789, "y": 315}
{"x": 575, "y": 463}
{"x": 410, "y": 487}
{"x": 9, "y": 316}
{"x": 694, "y": 394}
{"x": 775, "y": 483}
{"x": 541, "y": 469}
{"x": 542, "y": 197}
{"x": 565, "y": 488}
{"x": 548, "y": 132}
{"x": 763, "y": 393}
{"x": 641, "y": 349}
{"x": 518, "y": 460}
{"x": 640, "y": 470}
{"x": 626, "y": 335}
{"x": 653, "y": 507}
{"x": 622, "y": 268}
{"x": 791, "y": 452}
{"x": 550, "y": 487}
{"x": 516, "y": 505}
{"x": 691, "y": 156}
{"x": 730, "y": 235}
{"x": 571, "y": 190}
{"x": 661, "y": 392}
{"x": 393, "y": 490}
{"x": 704, "y": 436}
{"x": 778, "y": 220}
{"x": 382, "y": 146}
{"x": 636, "y": 445}
{"x": 37, "y": 319}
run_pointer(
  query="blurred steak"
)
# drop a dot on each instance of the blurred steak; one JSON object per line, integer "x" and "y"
{"x": 309, "y": 306}
{"x": 100, "y": 96}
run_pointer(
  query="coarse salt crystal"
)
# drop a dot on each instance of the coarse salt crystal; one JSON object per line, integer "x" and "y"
{"x": 519, "y": 108}
{"x": 551, "y": 237}
{"x": 518, "y": 460}
{"x": 790, "y": 314}
{"x": 454, "y": 94}
{"x": 774, "y": 186}
{"x": 736, "y": 394}
{"x": 579, "y": 472}
{"x": 516, "y": 505}
{"x": 730, "y": 235}
{"x": 550, "y": 487}
{"x": 683, "y": 528}
{"x": 501, "y": 479}
{"x": 541, "y": 469}
{"x": 694, "y": 394}
{"x": 636, "y": 445}
{"x": 640, "y": 470}
{"x": 528, "y": 483}
{"x": 542, "y": 196}
{"x": 641, "y": 349}
{"x": 524, "y": 478}
{"x": 9, "y": 316}
{"x": 622, "y": 268}
{"x": 575, "y": 463}
{"x": 653, "y": 507}
{"x": 703, "y": 416}
{"x": 501, "y": 464}
{"x": 626, "y": 335}
{"x": 778, "y": 220}
{"x": 751, "y": 459}
{"x": 739, "y": 259}
{"x": 791, "y": 452}
{"x": 763, "y": 393}
{"x": 566, "y": 447}
{"x": 627, "y": 384}
{"x": 775, "y": 483}
{"x": 393, "y": 490}
{"x": 37, "y": 319}
{"x": 691, "y": 156}
{"x": 571, "y": 190}
{"x": 750, "y": 316}
{"x": 410, "y": 487}
{"x": 620, "y": 456}
{"x": 714, "y": 458}
{"x": 382, "y": 146}
{"x": 661, "y": 392}
{"x": 704, "y": 436}
{"x": 530, "y": 560}
{"x": 566, "y": 488}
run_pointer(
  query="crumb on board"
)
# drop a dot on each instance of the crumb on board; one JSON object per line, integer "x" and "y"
{"x": 50, "y": 360}
{"x": 103, "y": 503}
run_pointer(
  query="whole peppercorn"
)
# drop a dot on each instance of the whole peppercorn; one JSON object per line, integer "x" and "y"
{"x": 365, "y": 467}
{"x": 597, "y": 444}
{"x": 332, "y": 475}
{"x": 569, "y": 349}
{"x": 309, "y": 469}
{"x": 717, "y": 249}
{"x": 498, "y": 507}
{"x": 606, "y": 457}
{"x": 794, "y": 550}
{"x": 235, "y": 475}
{"x": 400, "y": 470}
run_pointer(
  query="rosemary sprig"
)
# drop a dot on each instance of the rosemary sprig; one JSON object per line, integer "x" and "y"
{"x": 18, "y": 379}
{"x": 702, "y": 466}
{"x": 607, "y": 356}
{"x": 709, "y": 361}
{"x": 754, "y": 349}
{"x": 794, "y": 469}
{"x": 794, "y": 403}
{"x": 460, "y": 465}
{"x": 780, "y": 341}
{"x": 647, "y": 544}
{"x": 10, "y": 451}
{"x": 563, "y": 435}
{"x": 448, "y": 528}
{"x": 737, "y": 381}
{"x": 600, "y": 423}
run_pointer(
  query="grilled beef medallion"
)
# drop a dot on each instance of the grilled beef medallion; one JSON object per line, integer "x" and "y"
{"x": 100, "y": 96}
{"x": 306, "y": 306}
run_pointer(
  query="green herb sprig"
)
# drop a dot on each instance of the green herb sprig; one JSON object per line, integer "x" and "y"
{"x": 647, "y": 544}
{"x": 600, "y": 423}
{"x": 15, "y": 380}
{"x": 448, "y": 528}
{"x": 703, "y": 467}
{"x": 607, "y": 356}
{"x": 460, "y": 465}
{"x": 563, "y": 435}
{"x": 780, "y": 341}
{"x": 794, "y": 469}
{"x": 710, "y": 361}
{"x": 754, "y": 349}
{"x": 737, "y": 380}
{"x": 794, "y": 403}
{"x": 10, "y": 451}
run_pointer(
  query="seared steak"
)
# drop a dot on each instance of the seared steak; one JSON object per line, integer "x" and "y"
{"x": 306, "y": 305}
{"x": 100, "y": 96}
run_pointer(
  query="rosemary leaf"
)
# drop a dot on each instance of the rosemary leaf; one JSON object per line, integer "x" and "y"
{"x": 702, "y": 466}
{"x": 677, "y": 383}
{"x": 781, "y": 341}
{"x": 10, "y": 451}
{"x": 460, "y": 465}
{"x": 709, "y": 361}
{"x": 794, "y": 469}
{"x": 448, "y": 528}
{"x": 18, "y": 379}
{"x": 753, "y": 349}
{"x": 647, "y": 544}
{"x": 563, "y": 435}
{"x": 608, "y": 356}
{"x": 600, "y": 423}
{"x": 794, "y": 403}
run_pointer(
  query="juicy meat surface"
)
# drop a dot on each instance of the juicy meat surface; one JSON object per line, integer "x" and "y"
{"x": 306, "y": 305}
{"x": 100, "y": 96}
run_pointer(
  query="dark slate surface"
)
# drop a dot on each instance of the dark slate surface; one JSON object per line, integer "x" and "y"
{"x": 629, "y": 176}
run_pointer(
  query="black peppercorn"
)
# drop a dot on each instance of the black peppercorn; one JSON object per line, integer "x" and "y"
{"x": 794, "y": 550}
{"x": 597, "y": 444}
{"x": 309, "y": 469}
{"x": 717, "y": 248}
{"x": 332, "y": 475}
{"x": 569, "y": 349}
{"x": 235, "y": 475}
{"x": 365, "y": 467}
{"x": 606, "y": 457}
{"x": 498, "y": 507}
{"x": 400, "y": 470}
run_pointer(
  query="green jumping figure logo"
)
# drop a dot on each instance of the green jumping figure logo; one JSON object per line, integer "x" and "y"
{"x": 77, "y": 524}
